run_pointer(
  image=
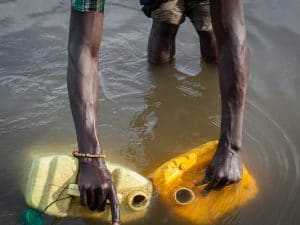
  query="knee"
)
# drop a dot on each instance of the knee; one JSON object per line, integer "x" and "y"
{"x": 159, "y": 57}
{"x": 161, "y": 44}
{"x": 161, "y": 50}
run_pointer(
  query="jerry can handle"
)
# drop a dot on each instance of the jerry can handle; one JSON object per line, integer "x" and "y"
{"x": 73, "y": 191}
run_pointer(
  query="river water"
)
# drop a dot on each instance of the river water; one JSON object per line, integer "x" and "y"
{"x": 150, "y": 114}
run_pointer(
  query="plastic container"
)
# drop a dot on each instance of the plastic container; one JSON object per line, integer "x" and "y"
{"x": 175, "y": 182}
{"x": 51, "y": 189}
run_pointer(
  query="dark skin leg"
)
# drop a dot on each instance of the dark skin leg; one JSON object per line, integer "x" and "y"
{"x": 229, "y": 28}
{"x": 161, "y": 44}
{"x": 208, "y": 46}
{"x": 200, "y": 17}
{"x": 94, "y": 180}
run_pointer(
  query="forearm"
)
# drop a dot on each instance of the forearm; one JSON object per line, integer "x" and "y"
{"x": 83, "y": 93}
{"x": 82, "y": 78}
{"x": 229, "y": 27}
{"x": 233, "y": 78}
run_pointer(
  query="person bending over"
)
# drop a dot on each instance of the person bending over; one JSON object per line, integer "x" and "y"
{"x": 228, "y": 38}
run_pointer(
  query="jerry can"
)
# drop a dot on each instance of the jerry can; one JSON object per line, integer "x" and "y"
{"x": 51, "y": 189}
{"x": 175, "y": 183}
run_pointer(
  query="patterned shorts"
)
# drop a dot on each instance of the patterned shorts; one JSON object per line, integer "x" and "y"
{"x": 175, "y": 11}
{"x": 88, "y": 5}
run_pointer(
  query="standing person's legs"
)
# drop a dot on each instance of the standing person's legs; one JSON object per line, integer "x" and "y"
{"x": 166, "y": 20}
{"x": 199, "y": 13}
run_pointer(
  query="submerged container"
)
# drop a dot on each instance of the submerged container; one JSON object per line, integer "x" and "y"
{"x": 51, "y": 189}
{"x": 175, "y": 182}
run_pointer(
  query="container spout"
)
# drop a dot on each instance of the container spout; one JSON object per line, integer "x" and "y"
{"x": 138, "y": 200}
{"x": 184, "y": 196}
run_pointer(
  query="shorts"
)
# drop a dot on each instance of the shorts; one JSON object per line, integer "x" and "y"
{"x": 175, "y": 11}
{"x": 88, "y": 5}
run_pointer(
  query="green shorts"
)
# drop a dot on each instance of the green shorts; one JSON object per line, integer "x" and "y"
{"x": 88, "y": 5}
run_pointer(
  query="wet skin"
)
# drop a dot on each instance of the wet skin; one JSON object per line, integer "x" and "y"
{"x": 94, "y": 180}
{"x": 225, "y": 44}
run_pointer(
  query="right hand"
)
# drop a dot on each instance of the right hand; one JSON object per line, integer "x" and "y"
{"x": 96, "y": 187}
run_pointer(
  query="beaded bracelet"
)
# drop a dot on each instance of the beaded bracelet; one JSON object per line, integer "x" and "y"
{"x": 77, "y": 154}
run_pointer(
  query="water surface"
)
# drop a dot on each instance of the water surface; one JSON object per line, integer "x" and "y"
{"x": 150, "y": 114}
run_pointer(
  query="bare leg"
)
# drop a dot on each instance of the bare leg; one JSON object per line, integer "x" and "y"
{"x": 208, "y": 46}
{"x": 199, "y": 13}
{"x": 161, "y": 44}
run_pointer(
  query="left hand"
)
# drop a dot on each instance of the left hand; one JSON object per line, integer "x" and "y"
{"x": 226, "y": 168}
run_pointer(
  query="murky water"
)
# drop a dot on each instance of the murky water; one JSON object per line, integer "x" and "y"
{"x": 150, "y": 114}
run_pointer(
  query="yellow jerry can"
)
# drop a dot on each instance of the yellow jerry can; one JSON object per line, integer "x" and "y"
{"x": 51, "y": 189}
{"x": 175, "y": 183}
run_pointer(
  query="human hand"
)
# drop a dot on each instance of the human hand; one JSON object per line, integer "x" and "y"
{"x": 96, "y": 187}
{"x": 226, "y": 168}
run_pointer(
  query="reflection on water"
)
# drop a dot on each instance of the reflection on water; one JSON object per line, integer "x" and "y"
{"x": 150, "y": 114}
{"x": 165, "y": 126}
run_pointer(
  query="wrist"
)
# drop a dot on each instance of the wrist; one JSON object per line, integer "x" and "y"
{"x": 229, "y": 144}
{"x": 91, "y": 156}
{"x": 89, "y": 149}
